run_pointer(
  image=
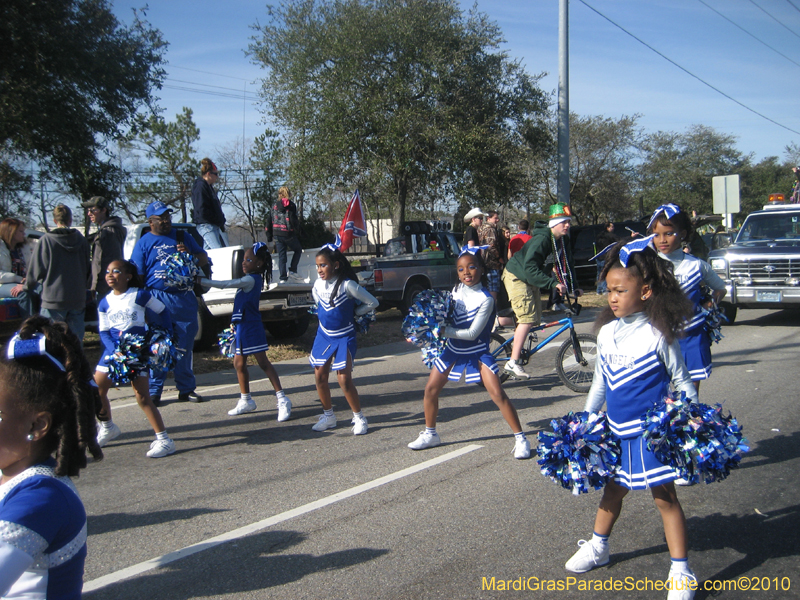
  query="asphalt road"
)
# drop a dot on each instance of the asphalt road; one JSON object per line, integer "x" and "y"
{"x": 252, "y": 508}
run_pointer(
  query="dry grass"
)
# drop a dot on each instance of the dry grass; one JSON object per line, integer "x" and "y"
{"x": 384, "y": 330}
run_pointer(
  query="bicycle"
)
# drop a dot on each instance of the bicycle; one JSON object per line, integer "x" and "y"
{"x": 575, "y": 358}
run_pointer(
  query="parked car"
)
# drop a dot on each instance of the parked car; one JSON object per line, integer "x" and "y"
{"x": 583, "y": 239}
{"x": 761, "y": 268}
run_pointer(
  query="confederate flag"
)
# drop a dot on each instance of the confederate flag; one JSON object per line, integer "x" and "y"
{"x": 353, "y": 224}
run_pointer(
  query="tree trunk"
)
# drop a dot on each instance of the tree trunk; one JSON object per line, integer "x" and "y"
{"x": 399, "y": 209}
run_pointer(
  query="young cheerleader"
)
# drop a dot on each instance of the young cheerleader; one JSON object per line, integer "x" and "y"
{"x": 671, "y": 226}
{"x": 339, "y": 300}
{"x": 638, "y": 357}
{"x": 47, "y": 408}
{"x": 127, "y": 309}
{"x": 250, "y": 336}
{"x": 468, "y": 349}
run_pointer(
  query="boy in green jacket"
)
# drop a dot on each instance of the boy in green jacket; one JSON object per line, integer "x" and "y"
{"x": 525, "y": 276}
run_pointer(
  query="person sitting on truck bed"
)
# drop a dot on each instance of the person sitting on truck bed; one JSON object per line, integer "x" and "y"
{"x": 14, "y": 266}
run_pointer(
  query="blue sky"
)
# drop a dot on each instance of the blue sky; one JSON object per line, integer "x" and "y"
{"x": 611, "y": 74}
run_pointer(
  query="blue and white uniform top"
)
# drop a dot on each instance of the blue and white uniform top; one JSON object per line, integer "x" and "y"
{"x": 336, "y": 315}
{"x": 691, "y": 273}
{"x": 42, "y": 536}
{"x": 336, "y": 334}
{"x": 634, "y": 368}
{"x": 126, "y": 313}
{"x": 151, "y": 254}
{"x": 468, "y": 337}
{"x": 246, "y": 317}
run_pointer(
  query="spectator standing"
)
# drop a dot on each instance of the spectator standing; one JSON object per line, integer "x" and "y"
{"x": 516, "y": 243}
{"x": 525, "y": 276}
{"x": 60, "y": 263}
{"x": 208, "y": 215}
{"x": 150, "y": 255}
{"x": 475, "y": 219}
{"x": 488, "y": 235}
{"x": 795, "y": 196}
{"x": 14, "y": 259}
{"x": 106, "y": 245}
{"x": 284, "y": 226}
{"x": 604, "y": 239}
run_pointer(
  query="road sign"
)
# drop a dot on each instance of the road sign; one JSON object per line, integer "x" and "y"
{"x": 726, "y": 194}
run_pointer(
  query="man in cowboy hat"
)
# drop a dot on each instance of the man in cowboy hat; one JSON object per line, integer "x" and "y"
{"x": 525, "y": 276}
{"x": 474, "y": 218}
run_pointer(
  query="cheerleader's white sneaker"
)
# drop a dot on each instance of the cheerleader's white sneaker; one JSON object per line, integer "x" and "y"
{"x": 242, "y": 407}
{"x": 107, "y": 433}
{"x": 514, "y": 369}
{"x": 161, "y": 448}
{"x": 425, "y": 440}
{"x": 325, "y": 422}
{"x": 587, "y": 558}
{"x": 682, "y": 586}
{"x": 359, "y": 425}
{"x": 522, "y": 449}
{"x": 284, "y": 409}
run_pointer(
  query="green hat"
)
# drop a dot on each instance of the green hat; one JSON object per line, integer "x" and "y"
{"x": 559, "y": 212}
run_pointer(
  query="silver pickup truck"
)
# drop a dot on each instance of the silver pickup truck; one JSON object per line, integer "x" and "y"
{"x": 284, "y": 307}
{"x": 761, "y": 268}
{"x": 423, "y": 259}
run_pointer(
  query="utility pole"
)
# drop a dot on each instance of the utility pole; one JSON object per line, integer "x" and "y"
{"x": 563, "y": 102}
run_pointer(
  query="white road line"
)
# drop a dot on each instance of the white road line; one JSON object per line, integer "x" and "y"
{"x": 160, "y": 561}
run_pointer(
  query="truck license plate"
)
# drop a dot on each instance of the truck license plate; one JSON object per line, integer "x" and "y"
{"x": 768, "y": 296}
{"x": 298, "y": 299}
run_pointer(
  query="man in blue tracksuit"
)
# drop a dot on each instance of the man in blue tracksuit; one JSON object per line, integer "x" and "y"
{"x": 150, "y": 256}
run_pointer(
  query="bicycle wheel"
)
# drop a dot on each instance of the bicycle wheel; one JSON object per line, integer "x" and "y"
{"x": 501, "y": 352}
{"x": 577, "y": 376}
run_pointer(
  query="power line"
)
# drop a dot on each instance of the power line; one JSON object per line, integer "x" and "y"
{"x": 209, "y": 73}
{"x": 218, "y": 87}
{"x": 239, "y": 96}
{"x": 778, "y": 21}
{"x": 793, "y": 5}
{"x": 775, "y": 50}
{"x": 732, "y": 99}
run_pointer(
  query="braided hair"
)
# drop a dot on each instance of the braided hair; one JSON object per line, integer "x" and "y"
{"x": 69, "y": 396}
{"x": 668, "y": 308}
{"x": 265, "y": 257}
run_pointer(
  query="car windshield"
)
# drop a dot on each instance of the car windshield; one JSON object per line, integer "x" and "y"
{"x": 775, "y": 226}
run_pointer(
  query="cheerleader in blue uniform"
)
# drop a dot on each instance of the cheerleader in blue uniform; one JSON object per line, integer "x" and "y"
{"x": 47, "y": 408}
{"x": 339, "y": 300}
{"x": 638, "y": 356}
{"x": 250, "y": 336}
{"x": 126, "y": 309}
{"x": 671, "y": 227}
{"x": 467, "y": 351}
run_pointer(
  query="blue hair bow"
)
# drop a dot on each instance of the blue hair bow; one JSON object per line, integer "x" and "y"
{"x": 335, "y": 245}
{"x": 669, "y": 210}
{"x": 258, "y": 246}
{"x": 638, "y": 245}
{"x": 36, "y": 346}
{"x": 473, "y": 250}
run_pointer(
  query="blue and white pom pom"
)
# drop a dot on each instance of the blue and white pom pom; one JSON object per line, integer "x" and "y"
{"x": 128, "y": 359}
{"x": 714, "y": 318}
{"x": 161, "y": 351}
{"x": 580, "y": 453}
{"x": 425, "y": 322}
{"x": 695, "y": 439}
{"x": 227, "y": 342}
{"x": 363, "y": 322}
{"x": 180, "y": 271}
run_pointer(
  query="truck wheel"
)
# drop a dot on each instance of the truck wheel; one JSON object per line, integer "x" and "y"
{"x": 729, "y": 310}
{"x": 290, "y": 328}
{"x": 206, "y": 328}
{"x": 412, "y": 290}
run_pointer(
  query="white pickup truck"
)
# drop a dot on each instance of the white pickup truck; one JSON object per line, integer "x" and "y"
{"x": 284, "y": 307}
